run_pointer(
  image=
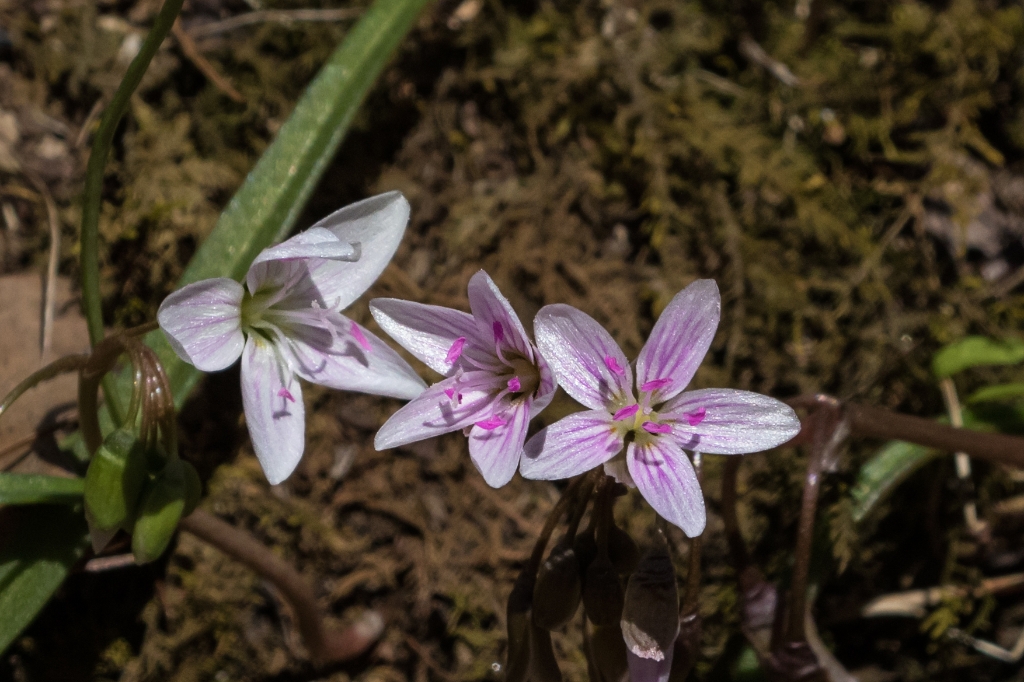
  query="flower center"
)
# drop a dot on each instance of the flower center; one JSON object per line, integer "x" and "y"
{"x": 525, "y": 375}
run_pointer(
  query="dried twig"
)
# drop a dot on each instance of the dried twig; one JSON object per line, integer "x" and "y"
{"x": 189, "y": 49}
{"x": 275, "y": 16}
{"x": 963, "y": 462}
{"x": 755, "y": 53}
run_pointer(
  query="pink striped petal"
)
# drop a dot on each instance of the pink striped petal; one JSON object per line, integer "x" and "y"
{"x": 680, "y": 340}
{"x": 664, "y": 476}
{"x": 577, "y": 347}
{"x": 432, "y": 333}
{"x": 571, "y": 446}
{"x": 274, "y": 412}
{"x": 202, "y": 323}
{"x": 496, "y": 452}
{"x": 722, "y": 421}
{"x": 495, "y": 318}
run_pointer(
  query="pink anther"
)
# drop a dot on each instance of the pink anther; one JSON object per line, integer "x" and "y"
{"x": 696, "y": 417}
{"x": 357, "y": 333}
{"x": 286, "y": 394}
{"x": 492, "y": 423}
{"x": 455, "y": 351}
{"x": 613, "y": 364}
{"x": 499, "y": 331}
{"x": 514, "y": 385}
{"x": 655, "y": 427}
{"x": 655, "y": 384}
{"x": 626, "y": 412}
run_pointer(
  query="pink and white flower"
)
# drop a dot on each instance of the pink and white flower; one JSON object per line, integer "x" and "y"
{"x": 285, "y": 322}
{"x": 496, "y": 381}
{"x": 656, "y": 427}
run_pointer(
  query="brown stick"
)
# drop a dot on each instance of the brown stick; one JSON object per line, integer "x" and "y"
{"x": 325, "y": 645}
{"x": 876, "y": 422}
{"x": 189, "y": 49}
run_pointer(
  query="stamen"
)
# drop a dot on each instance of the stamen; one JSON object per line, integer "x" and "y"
{"x": 655, "y": 384}
{"x": 613, "y": 364}
{"x": 696, "y": 417}
{"x": 514, "y": 385}
{"x": 455, "y": 351}
{"x": 499, "y": 331}
{"x": 626, "y": 412}
{"x": 450, "y": 392}
{"x": 655, "y": 427}
{"x": 492, "y": 423}
{"x": 286, "y": 394}
{"x": 358, "y": 334}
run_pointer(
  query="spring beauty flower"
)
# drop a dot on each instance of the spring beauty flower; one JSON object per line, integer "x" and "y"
{"x": 285, "y": 322}
{"x": 496, "y": 381}
{"x": 660, "y": 420}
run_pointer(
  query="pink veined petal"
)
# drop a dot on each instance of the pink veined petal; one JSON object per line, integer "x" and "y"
{"x": 546, "y": 391}
{"x": 434, "y": 412}
{"x": 496, "y": 452}
{"x": 377, "y": 225}
{"x": 723, "y": 421}
{"x": 429, "y": 332}
{"x": 352, "y": 362}
{"x": 570, "y": 446}
{"x": 276, "y": 424}
{"x": 577, "y": 346}
{"x": 665, "y": 477}
{"x": 202, "y": 323}
{"x": 316, "y": 242}
{"x": 494, "y": 314}
{"x": 680, "y": 339}
{"x": 648, "y": 669}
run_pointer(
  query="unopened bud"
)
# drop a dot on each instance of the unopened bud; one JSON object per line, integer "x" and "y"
{"x": 602, "y": 592}
{"x": 543, "y": 664}
{"x": 114, "y": 481}
{"x": 585, "y": 547}
{"x": 193, "y": 488}
{"x": 608, "y": 652}
{"x": 161, "y": 508}
{"x": 622, "y": 551}
{"x": 650, "y": 616}
{"x": 557, "y": 594}
{"x": 686, "y": 647}
{"x": 517, "y": 618}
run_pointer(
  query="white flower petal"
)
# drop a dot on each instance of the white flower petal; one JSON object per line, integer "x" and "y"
{"x": 723, "y": 421}
{"x": 496, "y": 452}
{"x": 430, "y": 332}
{"x": 570, "y": 446}
{"x": 491, "y": 309}
{"x": 202, "y": 323}
{"x": 274, "y": 411}
{"x": 665, "y": 477}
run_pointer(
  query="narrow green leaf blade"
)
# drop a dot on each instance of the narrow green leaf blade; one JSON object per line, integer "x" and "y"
{"x": 267, "y": 205}
{"x": 38, "y": 546}
{"x": 975, "y": 351}
{"x": 39, "y": 489}
{"x": 880, "y": 475}
{"x": 998, "y": 392}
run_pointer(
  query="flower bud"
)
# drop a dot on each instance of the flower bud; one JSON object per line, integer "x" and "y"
{"x": 622, "y": 551}
{"x": 650, "y": 615}
{"x": 114, "y": 481}
{"x": 557, "y": 594}
{"x": 602, "y": 592}
{"x": 687, "y": 647}
{"x": 530, "y": 654}
{"x": 608, "y": 652}
{"x": 163, "y": 502}
{"x": 585, "y": 547}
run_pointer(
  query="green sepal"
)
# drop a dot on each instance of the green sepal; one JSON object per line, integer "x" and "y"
{"x": 114, "y": 481}
{"x": 162, "y": 506}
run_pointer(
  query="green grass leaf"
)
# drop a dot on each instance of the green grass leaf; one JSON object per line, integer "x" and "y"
{"x": 38, "y": 547}
{"x": 39, "y": 489}
{"x": 976, "y": 351}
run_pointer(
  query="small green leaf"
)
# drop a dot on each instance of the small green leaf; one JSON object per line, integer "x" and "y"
{"x": 975, "y": 351}
{"x": 39, "y": 489}
{"x": 38, "y": 546}
{"x": 890, "y": 466}
{"x": 997, "y": 393}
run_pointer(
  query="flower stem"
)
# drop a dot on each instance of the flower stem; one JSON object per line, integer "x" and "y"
{"x": 69, "y": 363}
{"x": 325, "y": 645}
{"x": 92, "y": 197}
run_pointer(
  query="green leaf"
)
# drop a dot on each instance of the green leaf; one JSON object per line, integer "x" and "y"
{"x": 38, "y": 547}
{"x": 39, "y": 489}
{"x": 996, "y": 393}
{"x": 890, "y": 466}
{"x": 267, "y": 205}
{"x": 975, "y": 351}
